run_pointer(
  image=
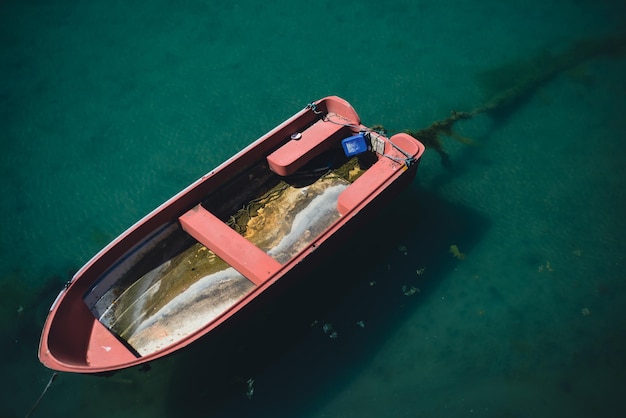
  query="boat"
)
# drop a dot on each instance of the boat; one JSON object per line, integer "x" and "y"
{"x": 267, "y": 215}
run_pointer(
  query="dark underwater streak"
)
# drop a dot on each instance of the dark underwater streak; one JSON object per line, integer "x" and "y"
{"x": 547, "y": 68}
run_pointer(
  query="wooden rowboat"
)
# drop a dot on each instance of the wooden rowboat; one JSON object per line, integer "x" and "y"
{"x": 268, "y": 213}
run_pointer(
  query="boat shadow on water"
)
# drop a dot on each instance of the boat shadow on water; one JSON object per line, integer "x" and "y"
{"x": 302, "y": 339}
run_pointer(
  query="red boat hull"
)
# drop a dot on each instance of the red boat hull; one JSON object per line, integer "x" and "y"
{"x": 76, "y": 340}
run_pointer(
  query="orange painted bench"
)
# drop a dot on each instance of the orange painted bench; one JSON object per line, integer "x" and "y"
{"x": 241, "y": 254}
{"x": 104, "y": 348}
{"x": 366, "y": 184}
{"x": 379, "y": 173}
{"x": 314, "y": 140}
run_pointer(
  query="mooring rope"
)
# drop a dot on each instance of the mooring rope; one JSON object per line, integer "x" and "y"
{"x": 32, "y": 409}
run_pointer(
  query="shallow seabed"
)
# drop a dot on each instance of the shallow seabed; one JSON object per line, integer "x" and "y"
{"x": 494, "y": 286}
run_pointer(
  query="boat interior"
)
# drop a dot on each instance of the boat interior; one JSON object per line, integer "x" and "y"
{"x": 194, "y": 269}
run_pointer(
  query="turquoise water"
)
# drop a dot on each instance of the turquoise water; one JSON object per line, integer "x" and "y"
{"x": 109, "y": 108}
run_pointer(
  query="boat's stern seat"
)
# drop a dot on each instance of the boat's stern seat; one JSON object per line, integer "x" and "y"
{"x": 379, "y": 173}
{"x": 306, "y": 145}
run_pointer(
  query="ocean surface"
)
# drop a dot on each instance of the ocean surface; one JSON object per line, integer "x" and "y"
{"x": 494, "y": 286}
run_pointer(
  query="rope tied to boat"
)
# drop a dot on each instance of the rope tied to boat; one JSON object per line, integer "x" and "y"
{"x": 313, "y": 107}
{"x": 408, "y": 161}
{"x": 45, "y": 390}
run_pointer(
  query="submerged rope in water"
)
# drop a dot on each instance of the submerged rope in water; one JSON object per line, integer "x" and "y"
{"x": 32, "y": 409}
{"x": 541, "y": 71}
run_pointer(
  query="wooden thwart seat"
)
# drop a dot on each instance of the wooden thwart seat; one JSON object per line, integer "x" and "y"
{"x": 314, "y": 140}
{"x": 241, "y": 254}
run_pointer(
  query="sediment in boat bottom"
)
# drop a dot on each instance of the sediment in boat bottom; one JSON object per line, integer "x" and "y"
{"x": 184, "y": 294}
